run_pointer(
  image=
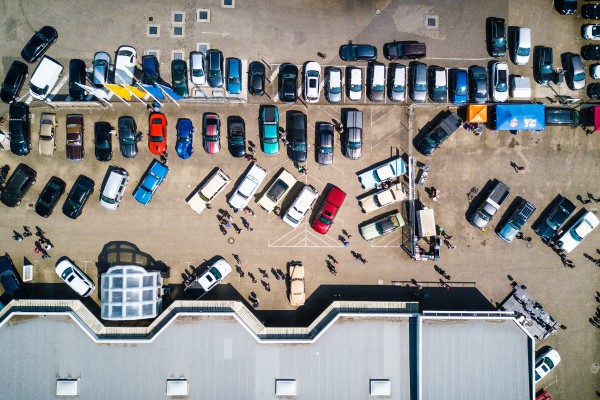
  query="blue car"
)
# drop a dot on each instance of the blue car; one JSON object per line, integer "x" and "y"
{"x": 384, "y": 171}
{"x": 458, "y": 86}
{"x": 185, "y": 138}
{"x": 151, "y": 180}
{"x": 234, "y": 75}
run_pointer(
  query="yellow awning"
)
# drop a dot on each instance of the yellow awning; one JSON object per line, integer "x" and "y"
{"x": 477, "y": 113}
{"x": 119, "y": 91}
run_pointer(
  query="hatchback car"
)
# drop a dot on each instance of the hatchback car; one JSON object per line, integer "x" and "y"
{"x": 103, "y": 132}
{"x": 397, "y": 82}
{"x": 499, "y": 81}
{"x": 185, "y": 138}
{"x": 354, "y": 84}
{"x": 560, "y": 212}
{"x": 458, "y": 86}
{"x": 437, "y": 84}
{"x": 575, "y": 72}
{"x": 39, "y": 43}
{"x": 76, "y": 78}
{"x": 179, "y": 75}
{"x": 46, "y": 137}
{"x": 125, "y": 63}
{"x": 78, "y": 196}
{"x": 74, "y": 277}
{"x": 50, "y": 195}
{"x": 13, "y": 82}
{"x": 197, "y": 74}
{"x": 479, "y": 84}
{"x": 590, "y": 52}
{"x": 256, "y": 78}
{"x": 211, "y": 133}
{"x": 234, "y": 75}
{"x": 358, "y": 52}
{"x": 236, "y": 136}
{"x": 590, "y": 11}
{"x": 296, "y": 129}
{"x": 214, "y": 64}
{"x": 288, "y": 82}
{"x": 100, "y": 68}
{"x": 578, "y": 231}
{"x": 333, "y": 84}
{"x": 17, "y": 185}
{"x": 325, "y": 141}
{"x": 496, "y": 33}
{"x": 151, "y": 70}
{"x": 312, "y": 81}
{"x": 542, "y": 64}
{"x": 546, "y": 363}
{"x": 418, "y": 80}
{"x": 19, "y": 127}
{"x": 128, "y": 136}
{"x": 157, "y": 136}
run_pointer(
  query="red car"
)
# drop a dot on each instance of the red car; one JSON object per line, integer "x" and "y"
{"x": 333, "y": 202}
{"x": 211, "y": 133}
{"x": 157, "y": 138}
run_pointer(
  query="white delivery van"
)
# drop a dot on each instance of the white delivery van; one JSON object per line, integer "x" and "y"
{"x": 44, "y": 78}
{"x": 520, "y": 87}
{"x": 114, "y": 188}
{"x": 305, "y": 200}
{"x": 522, "y": 46}
{"x": 206, "y": 193}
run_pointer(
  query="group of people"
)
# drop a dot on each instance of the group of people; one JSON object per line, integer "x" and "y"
{"x": 42, "y": 245}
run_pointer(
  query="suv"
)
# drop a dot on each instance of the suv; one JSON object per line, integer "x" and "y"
{"x": 303, "y": 202}
{"x": 418, "y": 80}
{"x": 114, "y": 188}
{"x": 296, "y": 128}
{"x": 397, "y": 82}
{"x": 410, "y": 49}
{"x": 562, "y": 116}
{"x": 75, "y": 131}
{"x": 496, "y": 37}
{"x": 50, "y": 195}
{"x": 17, "y": 185}
{"x": 13, "y": 82}
{"x": 513, "y": 225}
{"x": 103, "y": 132}
{"x": 542, "y": 67}
{"x": 209, "y": 279}
{"x": 12, "y": 285}
{"x": 19, "y": 127}
{"x": 78, "y": 196}
{"x": 74, "y": 277}
{"x": 214, "y": 62}
{"x": 125, "y": 63}
{"x": 556, "y": 216}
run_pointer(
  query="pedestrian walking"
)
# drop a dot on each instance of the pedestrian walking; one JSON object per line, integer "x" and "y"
{"x": 17, "y": 236}
{"x": 264, "y": 273}
{"x": 237, "y": 259}
{"x": 335, "y": 261}
{"x": 346, "y": 243}
{"x": 362, "y": 260}
{"x": 248, "y": 157}
{"x": 285, "y": 142}
{"x": 345, "y": 232}
{"x": 267, "y": 286}
{"x": 322, "y": 55}
{"x": 239, "y": 271}
{"x": 48, "y": 246}
{"x": 520, "y": 235}
{"x": 237, "y": 229}
{"x": 251, "y": 275}
{"x": 223, "y": 230}
{"x": 26, "y": 232}
{"x": 250, "y": 211}
{"x": 277, "y": 210}
{"x": 208, "y": 206}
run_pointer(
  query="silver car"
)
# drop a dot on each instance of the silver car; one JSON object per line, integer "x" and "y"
{"x": 197, "y": 75}
{"x": 418, "y": 92}
{"x": 100, "y": 67}
{"x": 333, "y": 84}
{"x": 125, "y": 63}
{"x": 575, "y": 72}
{"x": 353, "y": 134}
{"x": 325, "y": 144}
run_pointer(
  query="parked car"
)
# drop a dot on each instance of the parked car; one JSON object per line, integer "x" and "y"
{"x": 113, "y": 188}
{"x": 558, "y": 116}
{"x": 479, "y": 84}
{"x": 595, "y": 71}
{"x": 590, "y": 31}
{"x": 74, "y": 277}
{"x": 103, "y": 132}
{"x": 150, "y": 69}
{"x": 17, "y": 185}
{"x": 352, "y": 135}
{"x": 234, "y": 75}
{"x": 514, "y": 223}
{"x": 397, "y": 82}
{"x": 297, "y": 295}
{"x": 296, "y": 129}
{"x": 545, "y": 363}
{"x": 499, "y": 81}
{"x": 381, "y": 198}
{"x": 247, "y": 187}
{"x": 385, "y": 171}
{"x": 542, "y": 64}
{"x": 521, "y": 48}
{"x": 591, "y": 11}
{"x": 49, "y": 197}
{"x": 354, "y": 84}
{"x": 408, "y": 49}
{"x": 578, "y": 231}
{"x": 358, "y": 52}
{"x": 214, "y": 184}
{"x": 593, "y": 91}
{"x": 211, "y": 133}
{"x": 312, "y": 82}
{"x": 39, "y": 44}
{"x": 19, "y": 127}
{"x": 324, "y": 145}
{"x": 128, "y": 137}
{"x": 376, "y": 82}
{"x": 13, "y": 82}
{"x": 458, "y": 86}
{"x": 288, "y": 82}
{"x": 382, "y": 226}
{"x": 575, "y": 72}
{"x": 303, "y": 202}
{"x": 78, "y": 196}
{"x": 268, "y": 123}
{"x": 566, "y": 7}
{"x": 75, "y": 134}
{"x": 125, "y": 63}
{"x": 418, "y": 79}
{"x": 236, "y": 136}
{"x": 150, "y": 181}
{"x": 157, "y": 136}
{"x": 256, "y": 79}
{"x": 76, "y": 76}
{"x": 432, "y": 139}
{"x": 47, "y": 134}
{"x": 282, "y": 184}
{"x": 100, "y": 69}
{"x": 214, "y": 63}
{"x": 333, "y": 84}
{"x": 496, "y": 32}
{"x": 208, "y": 279}
{"x": 590, "y": 52}
{"x": 197, "y": 74}
{"x": 10, "y": 281}
{"x": 490, "y": 205}
{"x": 179, "y": 75}
{"x": 437, "y": 84}
{"x": 185, "y": 138}
{"x": 557, "y": 215}
{"x": 44, "y": 78}
{"x": 331, "y": 206}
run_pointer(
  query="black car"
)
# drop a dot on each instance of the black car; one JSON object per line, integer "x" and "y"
{"x": 296, "y": 129}
{"x": 558, "y": 214}
{"x": 76, "y": 75}
{"x": 590, "y": 11}
{"x": 325, "y": 141}
{"x": 256, "y": 79}
{"x": 179, "y": 77}
{"x": 19, "y": 127}
{"x": 128, "y": 136}
{"x": 565, "y": 7}
{"x": 593, "y": 91}
{"x": 103, "y": 140}
{"x": 236, "y": 136}
{"x": 39, "y": 43}
{"x": 214, "y": 65}
{"x": 10, "y": 280}
{"x": 78, "y": 196}
{"x": 438, "y": 85}
{"x": 50, "y": 195}
{"x": 358, "y": 52}
{"x": 478, "y": 88}
{"x": 151, "y": 69}
{"x": 590, "y": 52}
{"x": 13, "y": 82}
{"x": 289, "y": 83}
{"x": 408, "y": 49}
{"x": 18, "y": 185}
{"x": 496, "y": 33}
{"x": 429, "y": 141}
{"x": 542, "y": 64}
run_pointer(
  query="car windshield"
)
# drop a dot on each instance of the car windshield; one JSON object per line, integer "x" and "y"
{"x": 38, "y": 90}
{"x": 102, "y": 144}
{"x": 108, "y": 200}
{"x": 324, "y": 220}
{"x": 579, "y": 76}
{"x": 356, "y": 87}
{"x": 216, "y": 273}
{"x": 398, "y": 88}
{"x": 156, "y": 138}
{"x": 523, "y": 51}
{"x": 460, "y": 91}
{"x": 294, "y": 220}
{"x": 197, "y": 73}
{"x": 378, "y": 88}
{"x": 501, "y": 85}
{"x": 354, "y": 145}
{"x": 66, "y": 273}
{"x": 326, "y": 150}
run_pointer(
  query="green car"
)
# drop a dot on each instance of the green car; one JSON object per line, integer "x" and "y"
{"x": 269, "y": 129}
{"x": 179, "y": 73}
{"x": 382, "y": 226}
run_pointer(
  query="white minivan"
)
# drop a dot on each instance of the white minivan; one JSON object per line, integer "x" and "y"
{"x": 305, "y": 200}
{"x": 114, "y": 188}
{"x": 522, "y": 46}
{"x": 44, "y": 78}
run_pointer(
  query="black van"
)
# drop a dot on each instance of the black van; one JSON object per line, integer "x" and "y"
{"x": 17, "y": 185}
{"x": 562, "y": 116}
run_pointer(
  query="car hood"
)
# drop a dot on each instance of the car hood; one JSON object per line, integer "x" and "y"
{"x": 184, "y": 149}
{"x": 19, "y": 148}
{"x": 237, "y": 150}
{"x": 103, "y": 154}
{"x": 128, "y": 150}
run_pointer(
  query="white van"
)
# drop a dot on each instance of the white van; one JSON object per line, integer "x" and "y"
{"x": 44, "y": 78}
{"x": 208, "y": 191}
{"x": 114, "y": 188}
{"x": 522, "y": 46}
{"x": 305, "y": 200}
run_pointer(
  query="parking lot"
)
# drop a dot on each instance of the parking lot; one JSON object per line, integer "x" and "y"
{"x": 557, "y": 161}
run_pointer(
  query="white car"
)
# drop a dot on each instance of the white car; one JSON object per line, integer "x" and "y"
{"x": 595, "y": 71}
{"x": 578, "y": 231}
{"x": 546, "y": 363}
{"x": 305, "y": 200}
{"x": 74, "y": 277}
{"x": 247, "y": 187}
{"x": 312, "y": 81}
{"x": 500, "y": 82}
{"x": 125, "y": 63}
{"x": 197, "y": 75}
{"x": 355, "y": 83}
{"x": 209, "y": 279}
{"x": 590, "y": 31}
{"x": 207, "y": 192}
{"x": 381, "y": 198}
{"x": 333, "y": 85}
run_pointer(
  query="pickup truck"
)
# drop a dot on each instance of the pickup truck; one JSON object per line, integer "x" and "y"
{"x": 488, "y": 208}
{"x": 75, "y": 132}
{"x": 151, "y": 180}
{"x": 433, "y": 139}
{"x": 382, "y": 172}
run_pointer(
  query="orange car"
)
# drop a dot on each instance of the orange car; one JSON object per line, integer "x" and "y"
{"x": 157, "y": 138}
